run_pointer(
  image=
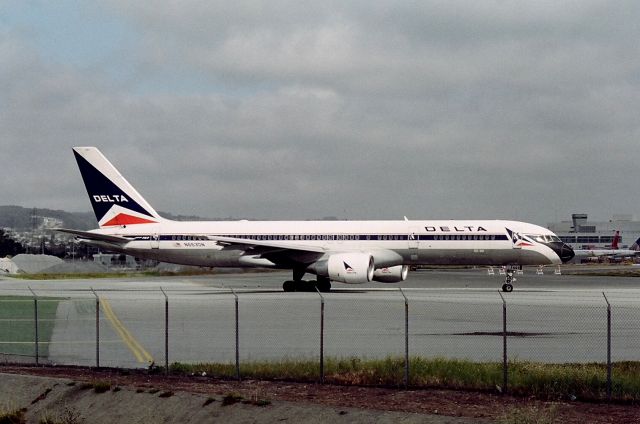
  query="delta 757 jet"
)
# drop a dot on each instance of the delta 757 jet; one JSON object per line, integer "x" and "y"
{"x": 351, "y": 252}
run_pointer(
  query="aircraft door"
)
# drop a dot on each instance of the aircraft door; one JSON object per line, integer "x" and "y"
{"x": 413, "y": 238}
{"x": 413, "y": 243}
{"x": 155, "y": 241}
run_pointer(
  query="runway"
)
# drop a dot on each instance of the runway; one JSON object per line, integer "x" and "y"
{"x": 453, "y": 314}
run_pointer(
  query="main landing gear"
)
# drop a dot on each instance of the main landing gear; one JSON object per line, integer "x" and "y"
{"x": 322, "y": 284}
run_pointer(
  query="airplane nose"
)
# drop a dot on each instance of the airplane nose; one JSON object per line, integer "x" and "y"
{"x": 563, "y": 250}
{"x": 566, "y": 253}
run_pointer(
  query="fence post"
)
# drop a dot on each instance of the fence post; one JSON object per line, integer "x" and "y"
{"x": 608, "y": 347}
{"x": 321, "y": 336}
{"x": 97, "y": 327}
{"x": 237, "y": 338}
{"x": 406, "y": 339}
{"x": 36, "y": 340}
{"x": 166, "y": 332}
{"x": 505, "y": 369}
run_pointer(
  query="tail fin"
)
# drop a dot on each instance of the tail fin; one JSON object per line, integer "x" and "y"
{"x": 636, "y": 245}
{"x": 616, "y": 239}
{"x": 114, "y": 200}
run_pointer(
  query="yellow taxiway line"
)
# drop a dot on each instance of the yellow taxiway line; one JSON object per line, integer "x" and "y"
{"x": 136, "y": 348}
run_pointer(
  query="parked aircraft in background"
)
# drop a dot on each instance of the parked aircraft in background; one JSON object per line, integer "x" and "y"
{"x": 342, "y": 251}
{"x": 614, "y": 251}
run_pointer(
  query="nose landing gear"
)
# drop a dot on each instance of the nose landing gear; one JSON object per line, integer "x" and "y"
{"x": 509, "y": 279}
{"x": 508, "y": 282}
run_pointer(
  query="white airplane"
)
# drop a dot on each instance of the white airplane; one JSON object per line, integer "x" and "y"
{"x": 614, "y": 251}
{"x": 349, "y": 252}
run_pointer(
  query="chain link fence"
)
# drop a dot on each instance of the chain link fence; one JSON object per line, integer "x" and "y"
{"x": 132, "y": 329}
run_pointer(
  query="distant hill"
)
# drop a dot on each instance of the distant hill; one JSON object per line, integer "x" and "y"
{"x": 19, "y": 218}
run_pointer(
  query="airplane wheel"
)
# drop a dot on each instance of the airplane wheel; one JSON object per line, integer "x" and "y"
{"x": 324, "y": 286}
{"x": 506, "y": 287}
{"x": 304, "y": 286}
{"x": 289, "y": 286}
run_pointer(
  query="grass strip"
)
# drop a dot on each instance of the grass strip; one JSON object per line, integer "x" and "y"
{"x": 132, "y": 274}
{"x": 97, "y": 275}
{"x": 586, "y": 382}
{"x": 17, "y": 324}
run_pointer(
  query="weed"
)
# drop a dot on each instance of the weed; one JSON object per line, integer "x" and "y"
{"x": 258, "y": 398}
{"x": 530, "y": 415}
{"x": 231, "y": 398}
{"x": 545, "y": 381}
{"x": 261, "y": 402}
{"x": 46, "y": 419}
{"x": 101, "y": 386}
{"x": 11, "y": 416}
{"x": 68, "y": 416}
{"x": 208, "y": 401}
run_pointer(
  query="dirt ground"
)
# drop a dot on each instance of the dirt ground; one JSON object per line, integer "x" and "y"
{"x": 481, "y": 407}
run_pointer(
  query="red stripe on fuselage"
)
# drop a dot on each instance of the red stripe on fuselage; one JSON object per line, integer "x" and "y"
{"x": 124, "y": 219}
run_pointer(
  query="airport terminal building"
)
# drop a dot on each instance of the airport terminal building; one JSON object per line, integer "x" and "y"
{"x": 581, "y": 233}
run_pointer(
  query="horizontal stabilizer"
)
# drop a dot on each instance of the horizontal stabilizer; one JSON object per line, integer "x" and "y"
{"x": 87, "y": 235}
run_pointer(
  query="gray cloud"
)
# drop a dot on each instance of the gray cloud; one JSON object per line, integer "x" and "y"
{"x": 290, "y": 110}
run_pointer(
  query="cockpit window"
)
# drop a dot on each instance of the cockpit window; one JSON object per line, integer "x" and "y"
{"x": 537, "y": 237}
{"x": 543, "y": 238}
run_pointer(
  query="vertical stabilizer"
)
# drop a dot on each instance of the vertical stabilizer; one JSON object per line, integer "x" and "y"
{"x": 114, "y": 200}
{"x": 616, "y": 240}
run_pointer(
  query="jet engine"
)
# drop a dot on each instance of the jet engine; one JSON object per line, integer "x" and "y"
{"x": 392, "y": 274}
{"x": 351, "y": 268}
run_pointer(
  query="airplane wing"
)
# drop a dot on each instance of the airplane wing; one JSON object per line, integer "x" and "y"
{"x": 275, "y": 244}
{"x": 87, "y": 235}
{"x": 279, "y": 252}
{"x": 284, "y": 253}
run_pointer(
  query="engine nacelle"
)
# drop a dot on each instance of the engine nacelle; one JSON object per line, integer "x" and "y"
{"x": 392, "y": 274}
{"x": 350, "y": 268}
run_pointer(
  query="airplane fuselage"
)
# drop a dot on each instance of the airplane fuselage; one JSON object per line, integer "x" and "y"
{"x": 447, "y": 242}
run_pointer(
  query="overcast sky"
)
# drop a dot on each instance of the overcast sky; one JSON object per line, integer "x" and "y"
{"x": 296, "y": 110}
